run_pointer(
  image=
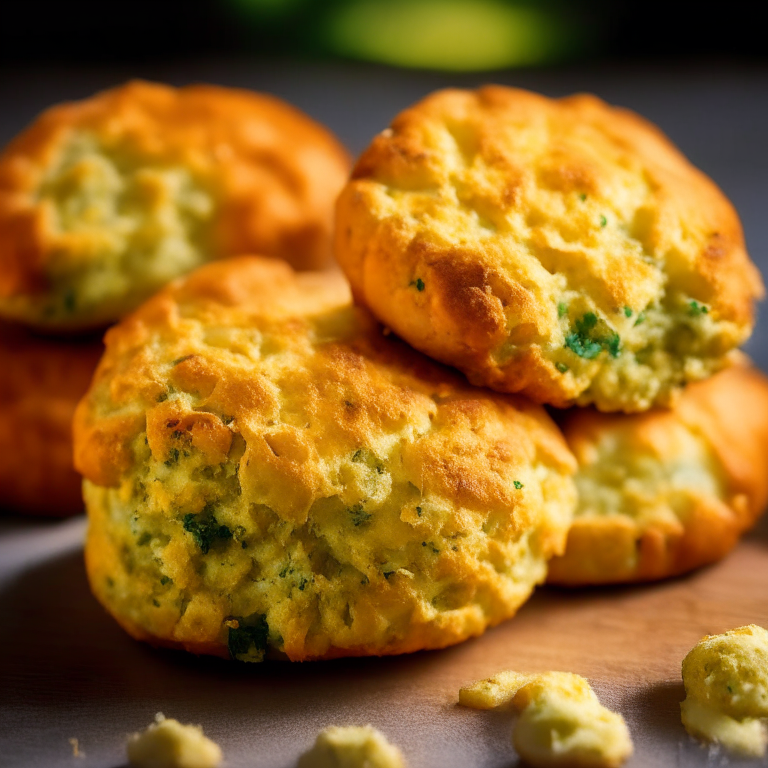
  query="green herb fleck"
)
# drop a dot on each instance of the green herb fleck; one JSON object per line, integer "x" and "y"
{"x": 517, "y": 484}
{"x": 387, "y": 574}
{"x": 603, "y": 221}
{"x": 419, "y": 511}
{"x": 205, "y": 530}
{"x": 155, "y": 603}
{"x": 562, "y": 367}
{"x": 248, "y": 641}
{"x": 587, "y": 342}
{"x": 164, "y": 580}
{"x": 640, "y": 319}
{"x": 364, "y": 580}
{"x": 303, "y": 583}
{"x": 162, "y": 397}
{"x": 695, "y": 309}
{"x": 431, "y": 546}
{"x": 145, "y": 538}
{"x": 69, "y": 300}
{"x": 628, "y": 311}
{"x": 583, "y": 196}
{"x": 173, "y": 457}
{"x": 562, "y": 309}
{"x": 730, "y": 690}
{"x": 419, "y": 283}
{"x": 286, "y": 570}
{"x": 227, "y": 420}
{"x": 181, "y": 359}
{"x": 359, "y": 515}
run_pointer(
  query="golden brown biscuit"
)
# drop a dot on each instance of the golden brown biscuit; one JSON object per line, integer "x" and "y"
{"x": 563, "y": 249}
{"x": 42, "y": 382}
{"x": 267, "y": 473}
{"x": 104, "y": 201}
{"x": 663, "y": 492}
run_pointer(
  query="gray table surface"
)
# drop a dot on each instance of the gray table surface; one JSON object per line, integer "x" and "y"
{"x": 66, "y": 670}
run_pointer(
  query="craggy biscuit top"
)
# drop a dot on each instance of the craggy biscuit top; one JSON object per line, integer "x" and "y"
{"x": 666, "y": 491}
{"x": 560, "y": 248}
{"x": 726, "y": 685}
{"x": 561, "y": 723}
{"x": 266, "y": 471}
{"x": 103, "y": 201}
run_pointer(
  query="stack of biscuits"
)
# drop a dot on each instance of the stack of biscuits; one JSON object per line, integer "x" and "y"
{"x": 313, "y": 465}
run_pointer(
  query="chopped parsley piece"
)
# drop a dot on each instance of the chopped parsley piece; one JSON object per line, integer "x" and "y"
{"x": 181, "y": 359}
{"x": 603, "y": 221}
{"x": 640, "y": 319}
{"x": 431, "y": 546}
{"x": 359, "y": 515}
{"x": 303, "y": 583}
{"x": 286, "y": 571}
{"x": 164, "y": 580}
{"x": 227, "y": 420}
{"x": 387, "y": 574}
{"x": 585, "y": 341}
{"x": 627, "y": 311}
{"x": 173, "y": 457}
{"x": 562, "y": 309}
{"x": 562, "y": 367}
{"x": 517, "y": 484}
{"x": 145, "y": 538}
{"x": 205, "y": 530}
{"x": 155, "y": 603}
{"x": 248, "y": 640}
{"x": 162, "y": 397}
{"x": 583, "y": 196}
{"x": 695, "y": 309}
{"x": 69, "y": 300}
{"x": 419, "y": 511}
{"x": 419, "y": 283}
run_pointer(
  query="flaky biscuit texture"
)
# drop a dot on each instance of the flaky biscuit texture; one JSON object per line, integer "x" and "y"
{"x": 266, "y": 472}
{"x": 104, "y": 201}
{"x": 563, "y": 249}
{"x": 666, "y": 491}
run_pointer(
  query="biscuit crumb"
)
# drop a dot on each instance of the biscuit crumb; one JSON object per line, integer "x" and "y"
{"x": 75, "y": 744}
{"x": 352, "y": 747}
{"x": 167, "y": 743}
{"x": 726, "y": 686}
{"x": 561, "y": 721}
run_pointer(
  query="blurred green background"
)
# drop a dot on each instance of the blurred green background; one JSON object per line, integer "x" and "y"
{"x": 443, "y": 35}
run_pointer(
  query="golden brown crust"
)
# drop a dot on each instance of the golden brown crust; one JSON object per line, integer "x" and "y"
{"x": 41, "y": 384}
{"x": 231, "y": 170}
{"x": 477, "y": 217}
{"x": 255, "y": 446}
{"x": 707, "y": 486}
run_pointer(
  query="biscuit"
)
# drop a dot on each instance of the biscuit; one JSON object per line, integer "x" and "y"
{"x": 563, "y": 249}
{"x": 104, "y": 201}
{"x": 664, "y": 492}
{"x": 42, "y": 382}
{"x": 267, "y": 473}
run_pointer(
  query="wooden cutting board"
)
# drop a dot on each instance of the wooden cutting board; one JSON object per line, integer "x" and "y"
{"x": 67, "y": 671}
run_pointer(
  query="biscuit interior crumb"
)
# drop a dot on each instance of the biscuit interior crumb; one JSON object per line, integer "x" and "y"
{"x": 352, "y": 747}
{"x": 726, "y": 685}
{"x": 561, "y": 721}
{"x": 167, "y": 743}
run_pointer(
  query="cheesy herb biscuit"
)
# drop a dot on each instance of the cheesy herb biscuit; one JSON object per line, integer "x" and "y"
{"x": 267, "y": 473}
{"x": 563, "y": 249}
{"x": 104, "y": 201}
{"x": 42, "y": 382}
{"x": 663, "y": 492}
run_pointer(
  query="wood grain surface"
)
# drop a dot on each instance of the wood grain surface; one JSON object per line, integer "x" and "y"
{"x": 67, "y": 670}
